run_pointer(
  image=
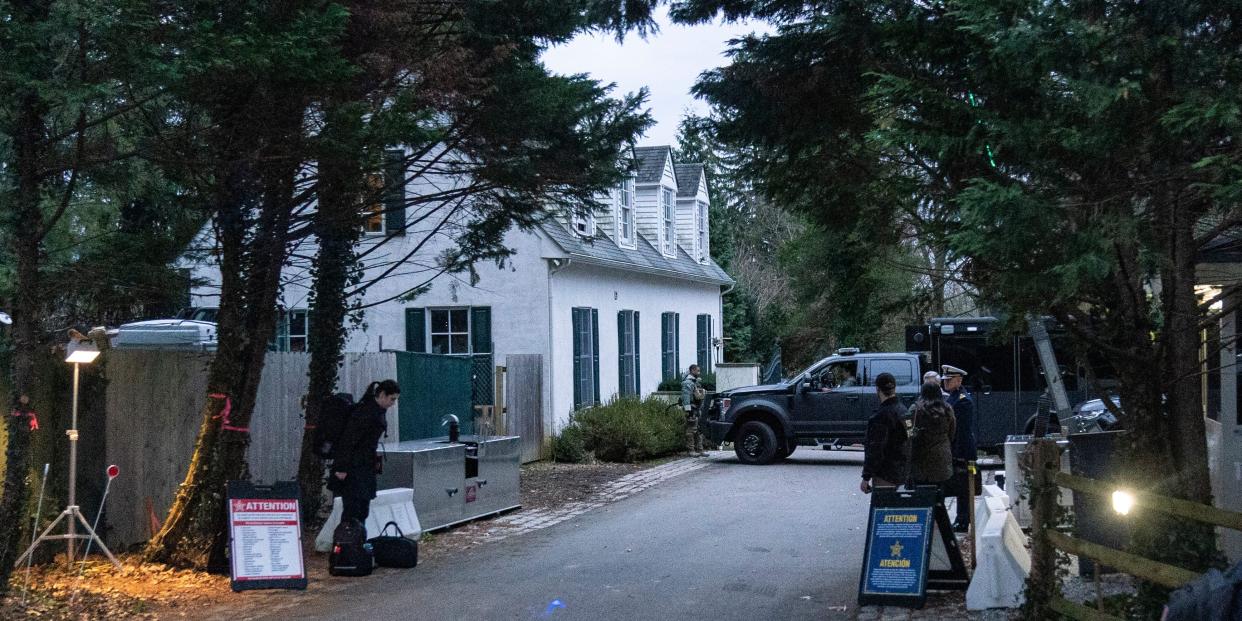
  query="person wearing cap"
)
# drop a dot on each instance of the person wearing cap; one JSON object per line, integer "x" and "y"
{"x": 964, "y": 448}
{"x": 886, "y": 462}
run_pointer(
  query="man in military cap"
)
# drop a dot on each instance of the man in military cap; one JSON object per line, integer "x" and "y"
{"x": 964, "y": 448}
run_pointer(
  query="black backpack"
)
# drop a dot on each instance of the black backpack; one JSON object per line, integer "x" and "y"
{"x": 351, "y": 554}
{"x": 333, "y": 416}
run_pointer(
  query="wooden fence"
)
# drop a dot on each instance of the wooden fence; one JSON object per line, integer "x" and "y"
{"x": 154, "y": 407}
{"x": 524, "y": 402}
{"x": 1046, "y": 473}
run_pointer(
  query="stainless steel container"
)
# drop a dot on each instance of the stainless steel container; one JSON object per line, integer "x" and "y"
{"x": 455, "y": 482}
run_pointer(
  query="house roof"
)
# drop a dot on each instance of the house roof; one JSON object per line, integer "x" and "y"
{"x": 688, "y": 176}
{"x": 651, "y": 163}
{"x": 603, "y": 251}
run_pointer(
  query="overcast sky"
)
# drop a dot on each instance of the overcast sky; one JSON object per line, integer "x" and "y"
{"x": 667, "y": 63}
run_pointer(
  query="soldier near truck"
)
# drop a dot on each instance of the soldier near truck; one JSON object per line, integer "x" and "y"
{"x": 692, "y": 395}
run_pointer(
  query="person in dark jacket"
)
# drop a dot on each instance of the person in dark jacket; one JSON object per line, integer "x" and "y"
{"x": 354, "y": 459}
{"x": 931, "y": 447}
{"x": 887, "y": 458}
{"x": 964, "y": 447}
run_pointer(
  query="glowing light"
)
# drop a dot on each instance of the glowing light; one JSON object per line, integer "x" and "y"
{"x": 1123, "y": 501}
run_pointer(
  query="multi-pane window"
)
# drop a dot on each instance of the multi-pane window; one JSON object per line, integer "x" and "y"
{"x": 625, "y": 212}
{"x": 670, "y": 335}
{"x": 373, "y": 210}
{"x": 586, "y": 356}
{"x": 449, "y": 329}
{"x": 584, "y": 224}
{"x": 702, "y": 229}
{"x": 704, "y": 343}
{"x": 291, "y": 330}
{"x": 627, "y": 348}
{"x": 666, "y": 207}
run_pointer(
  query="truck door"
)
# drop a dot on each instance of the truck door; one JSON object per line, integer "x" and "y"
{"x": 832, "y": 401}
{"x": 906, "y": 374}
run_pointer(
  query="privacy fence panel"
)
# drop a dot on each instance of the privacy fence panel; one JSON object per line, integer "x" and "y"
{"x": 154, "y": 402}
{"x": 524, "y": 398}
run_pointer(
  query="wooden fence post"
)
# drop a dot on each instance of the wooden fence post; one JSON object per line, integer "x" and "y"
{"x": 1044, "y": 584}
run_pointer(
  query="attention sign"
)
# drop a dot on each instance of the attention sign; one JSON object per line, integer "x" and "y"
{"x": 898, "y": 544}
{"x": 265, "y": 532}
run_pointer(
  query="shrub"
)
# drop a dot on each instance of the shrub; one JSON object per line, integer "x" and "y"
{"x": 707, "y": 380}
{"x": 628, "y": 429}
{"x": 569, "y": 445}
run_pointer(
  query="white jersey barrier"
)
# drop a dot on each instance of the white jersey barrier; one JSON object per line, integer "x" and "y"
{"x": 1003, "y": 561}
{"x": 389, "y": 505}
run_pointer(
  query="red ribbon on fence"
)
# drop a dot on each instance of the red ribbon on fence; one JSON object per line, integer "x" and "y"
{"x": 223, "y": 416}
{"x": 30, "y": 414}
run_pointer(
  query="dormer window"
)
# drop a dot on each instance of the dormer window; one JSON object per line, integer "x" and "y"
{"x": 584, "y": 224}
{"x": 625, "y": 212}
{"x": 701, "y": 220}
{"x": 666, "y": 208}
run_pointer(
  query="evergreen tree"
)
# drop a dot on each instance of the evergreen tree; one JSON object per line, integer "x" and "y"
{"x": 1075, "y": 157}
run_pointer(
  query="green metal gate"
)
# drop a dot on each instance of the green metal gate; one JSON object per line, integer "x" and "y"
{"x": 433, "y": 385}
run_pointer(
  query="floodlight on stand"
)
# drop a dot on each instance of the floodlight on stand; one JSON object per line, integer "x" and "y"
{"x": 81, "y": 352}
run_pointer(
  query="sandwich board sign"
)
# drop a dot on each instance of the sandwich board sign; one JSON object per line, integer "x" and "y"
{"x": 901, "y": 530}
{"x": 265, "y": 536}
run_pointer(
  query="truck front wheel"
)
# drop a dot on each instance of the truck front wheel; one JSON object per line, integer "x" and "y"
{"x": 755, "y": 443}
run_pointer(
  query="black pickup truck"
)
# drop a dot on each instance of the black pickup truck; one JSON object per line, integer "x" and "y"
{"x": 827, "y": 403}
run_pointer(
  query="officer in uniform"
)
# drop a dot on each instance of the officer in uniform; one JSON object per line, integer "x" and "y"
{"x": 692, "y": 395}
{"x": 964, "y": 447}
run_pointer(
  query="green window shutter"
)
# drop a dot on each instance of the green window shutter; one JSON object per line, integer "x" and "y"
{"x": 595, "y": 352}
{"x": 703, "y": 341}
{"x": 578, "y": 326}
{"x": 416, "y": 330}
{"x": 481, "y": 329}
{"x": 394, "y": 192}
{"x": 638, "y": 367}
{"x": 666, "y": 352}
{"x": 623, "y": 382}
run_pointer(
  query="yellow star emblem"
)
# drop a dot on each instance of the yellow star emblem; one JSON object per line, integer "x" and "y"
{"x": 895, "y": 549}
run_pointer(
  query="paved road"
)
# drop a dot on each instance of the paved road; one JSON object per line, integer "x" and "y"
{"x": 728, "y": 541}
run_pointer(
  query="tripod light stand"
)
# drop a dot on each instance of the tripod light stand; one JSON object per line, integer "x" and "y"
{"x": 79, "y": 354}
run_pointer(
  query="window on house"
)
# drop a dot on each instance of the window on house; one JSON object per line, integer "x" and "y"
{"x": 627, "y": 348}
{"x": 670, "y": 336}
{"x": 666, "y": 200}
{"x": 704, "y": 342}
{"x": 449, "y": 330}
{"x": 586, "y": 356}
{"x": 702, "y": 226}
{"x": 625, "y": 212}
{"x": 373, "y": 210}
{"x": 584, "y": 224}
{"x": 291, "y": 330}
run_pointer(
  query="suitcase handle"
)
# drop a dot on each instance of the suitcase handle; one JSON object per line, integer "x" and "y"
{"x": 394, "y": 527}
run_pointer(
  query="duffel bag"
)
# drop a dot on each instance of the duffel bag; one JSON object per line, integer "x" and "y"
{"x": 394, "y": 550}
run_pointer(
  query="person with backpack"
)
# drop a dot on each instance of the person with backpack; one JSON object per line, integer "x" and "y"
{"x": 355, "y": 460}
{"x": 692, "y": 396}
{"x": 931, "y": 438}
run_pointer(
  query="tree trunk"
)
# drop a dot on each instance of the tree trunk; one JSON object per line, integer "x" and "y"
{"x": 337, "y": 229}
{"x": 254, "y": 250}
{"x": 27, "y": 250}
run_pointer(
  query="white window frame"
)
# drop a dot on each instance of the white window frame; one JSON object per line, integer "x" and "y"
{"x": 584, "y": 224}
{"x": 668, "y": 229}
{"x": 431, "y": 333}
{"x": 284, "y": 339}
{"x": 625, "y": 213}
{"x": 701, "y": 225}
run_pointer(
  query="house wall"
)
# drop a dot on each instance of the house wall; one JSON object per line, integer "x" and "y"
{"x": 610, "y": 291}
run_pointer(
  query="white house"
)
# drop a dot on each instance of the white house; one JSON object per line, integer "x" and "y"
{"x": 613, "y": 303}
